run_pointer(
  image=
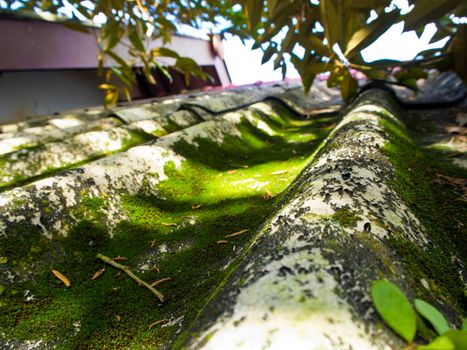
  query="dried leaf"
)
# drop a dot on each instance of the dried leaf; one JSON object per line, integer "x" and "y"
{"x": 168, "y": 224}
{"x": 162, "y": 280}
{"x": 196, "y": 206}
{"x": 98, "y": 273}
{"x": 158, "y": 322}
{"x": 453, "y": 180}
{"x": 238, "y": 233}
{"x": 268, "y": 194}
{"x": 152, "y": 243}
{"x": 279, "y": 172}
{"x": 231, "y": 172}
{"x": 222, "y": 241}
{"x": 119, "y": 258}
{"x": 62, "y": 278}
{"x": 455, "y": 129}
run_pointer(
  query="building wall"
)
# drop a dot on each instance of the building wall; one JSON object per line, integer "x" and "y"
{"x": 24, "y": 94}
{"x": 46, "y": 67}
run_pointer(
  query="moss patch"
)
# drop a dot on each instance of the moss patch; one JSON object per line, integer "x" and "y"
{"x": 346, "y": 217}
{"x": 436, "y": 205}
{"x": 179, "y": 233}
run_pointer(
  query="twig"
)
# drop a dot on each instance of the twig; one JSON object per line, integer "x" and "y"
{"x": 162, "y": 280}
{"x": 130, "y": 274}
{"x": 157, "y": 322}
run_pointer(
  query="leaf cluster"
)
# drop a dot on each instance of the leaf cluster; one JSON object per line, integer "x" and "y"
{"x": 317, "y": 36}
{"x": 406, "y": 320}
{"x": 328, "y": 36}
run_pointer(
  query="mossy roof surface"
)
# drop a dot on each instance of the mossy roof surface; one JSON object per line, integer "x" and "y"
{"x": 180, "y": 190}
{"x": 222, "y": 169}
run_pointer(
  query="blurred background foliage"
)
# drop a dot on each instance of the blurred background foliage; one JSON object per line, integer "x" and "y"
{"x": 317, "y": 36}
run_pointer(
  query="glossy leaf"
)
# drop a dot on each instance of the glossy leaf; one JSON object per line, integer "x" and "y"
{"x": 394, "y": 309}
{"x": 432, "y": 315}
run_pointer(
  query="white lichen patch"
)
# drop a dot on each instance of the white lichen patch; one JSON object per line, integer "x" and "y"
{"x": 284, "y": 309}
{"x": 41, "y": 135}
{"x": 24, "y": 164}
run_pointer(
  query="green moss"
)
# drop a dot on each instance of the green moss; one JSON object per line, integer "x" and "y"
{"x": 220, "y": 189}
{"x": 346, "y": 217}
{"x": 436, "y": 206}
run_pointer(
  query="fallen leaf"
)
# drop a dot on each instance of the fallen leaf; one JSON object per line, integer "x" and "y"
{"x": 231, "y": 172}
{"x": 455, "y": 129}
{"x": 152, "y": 243}
{"x": 158, "y": 322}
{"x": 454, "y": 154}
{"x": 168, "y": 224}
{"x": 268, "y": 195}
{"x": 98, "y": 273}
{"x": 279, "y": 172}
{"x": 196, "y": 206}
{"x": 453, "y": 180}
{"x": 222, "y": 241}
{"x": 3, "y": 260}
{"x": 119, "y": 258}
{"x": 62, "y": 278}
{"x": 236, "y": 233}
{"x": 162, "y": 280}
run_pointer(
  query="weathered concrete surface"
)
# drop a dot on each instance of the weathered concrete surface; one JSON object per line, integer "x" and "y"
{"x": 304, "y": 281}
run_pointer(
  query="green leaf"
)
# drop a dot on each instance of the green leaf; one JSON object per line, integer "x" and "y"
{"x": 135, "y": 39}
{"x": 422, "y": 329}
{"x": 440, "y": 343}
{"x": 76, "y": 26}
{"x": 268, "y": 53}
{"x": 427, "y": 11}
{"x": 459, "y": 339}
{"x": 432, "y": 315}
{"x": 164, "y": 52}
{"x": 330, "y": 20}
{"x": 254, "y": 9}
{"x": 349, "y": 87}
{"x": 369, "y": 33}
{"x": 394, "y": 309}
{"x": 317, "y": 45}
